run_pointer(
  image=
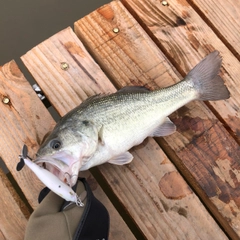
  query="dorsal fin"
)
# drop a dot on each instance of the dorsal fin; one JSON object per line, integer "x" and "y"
{"x": 165, "y": 129}
{"x": 82, "y": 106}
{"x": 90, "y": 99}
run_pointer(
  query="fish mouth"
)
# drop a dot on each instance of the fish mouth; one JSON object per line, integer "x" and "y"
{"x": 62, "y": 165}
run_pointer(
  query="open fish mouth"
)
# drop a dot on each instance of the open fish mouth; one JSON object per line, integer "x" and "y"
{"x": 50, "y": 165}
{"x": 66, "y": 172}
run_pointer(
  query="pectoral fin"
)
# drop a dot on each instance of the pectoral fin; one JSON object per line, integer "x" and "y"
{"x": 122, "y": 159}
{"x": 100, "y": 136}
{"x": 166, "y": 128}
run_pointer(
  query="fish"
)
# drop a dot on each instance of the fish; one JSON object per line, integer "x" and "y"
{"x": 105, "y": 127}
{"x": 49, "y": 179}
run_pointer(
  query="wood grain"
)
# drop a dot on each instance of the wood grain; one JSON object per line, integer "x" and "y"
{"x": 130, "y": 58}
{"x": 23, "y": 121}
{"x": 140, "y": 187}
{"x": 224, "y": 18}
{"x": 184, "y": 40}
{"x": 12, "y": 220}
{"x": 53, "y": 79}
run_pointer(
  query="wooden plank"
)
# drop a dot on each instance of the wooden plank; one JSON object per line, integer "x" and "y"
{"x": 130, "y": 58}
{"x": 224, "y": 18}
{"x": 12, "y": 219}
{"x": 26, "y": 121}
{"x": 142, "y": 187}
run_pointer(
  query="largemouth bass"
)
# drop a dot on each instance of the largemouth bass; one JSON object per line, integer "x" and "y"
{"x": 104, "y": 127}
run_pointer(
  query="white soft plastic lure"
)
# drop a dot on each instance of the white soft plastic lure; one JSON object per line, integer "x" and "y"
{"x": 50, "y": 180}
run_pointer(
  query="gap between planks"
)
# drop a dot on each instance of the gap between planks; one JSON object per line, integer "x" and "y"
{"x": 14, "y": 214}
{"x": 205, "y": 16}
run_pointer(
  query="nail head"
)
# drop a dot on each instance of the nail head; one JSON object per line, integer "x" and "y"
{"x": 164, "y": 3}
{"x": 6, "y": 100}
{"x": 64, "y": 66}
{"x": 116, "y": 30}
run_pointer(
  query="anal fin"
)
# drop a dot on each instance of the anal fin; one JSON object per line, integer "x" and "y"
{"x": 122, "y": 159}
{"x": 165, "y": 129}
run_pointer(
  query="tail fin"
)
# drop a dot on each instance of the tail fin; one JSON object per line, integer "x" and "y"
{"x": 205, "y": 78}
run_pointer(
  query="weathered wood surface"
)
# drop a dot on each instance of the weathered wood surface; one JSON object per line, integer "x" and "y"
{"x": 185, "y": 38}
{"x": 202, "y": 147}
{"x": 224, "y": 19}
{"x": 205, "y": 147}
{"x": 21, "y": 122}
{"x": 12, "y": 220}
{"x": 151, "y": 190}
{"x": 25, "y": 120}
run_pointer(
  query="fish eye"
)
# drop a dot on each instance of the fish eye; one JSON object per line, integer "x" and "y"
{"x": 55, "y": 144}
{"x": 85, "y": 122}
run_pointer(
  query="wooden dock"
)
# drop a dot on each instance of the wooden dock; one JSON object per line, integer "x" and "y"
{"x": 184, "y": 186}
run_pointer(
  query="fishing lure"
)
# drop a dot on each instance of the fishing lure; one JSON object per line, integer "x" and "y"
{"x": 49, "y": 179}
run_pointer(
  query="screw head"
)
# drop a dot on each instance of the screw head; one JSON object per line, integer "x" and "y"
{"x": 164, "y": 3}
{"x": 5, "y": 100}
{"x": 64, "y": 66}
{"x": 116, "y": 30}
